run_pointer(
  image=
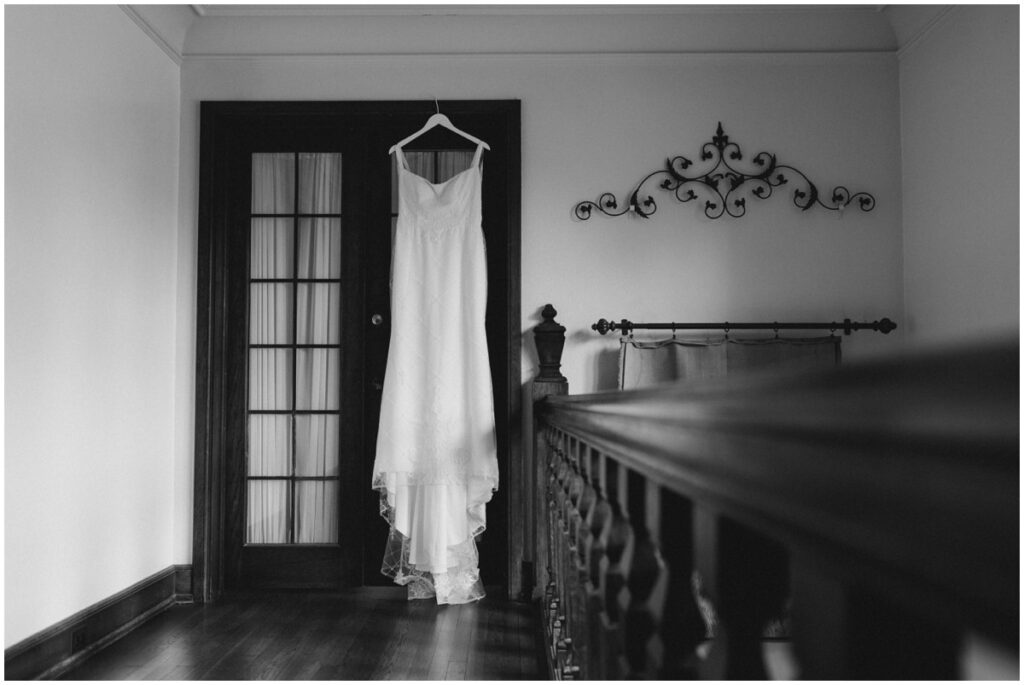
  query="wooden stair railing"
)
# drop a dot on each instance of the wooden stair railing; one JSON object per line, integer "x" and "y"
{"x": 868, "y": 515}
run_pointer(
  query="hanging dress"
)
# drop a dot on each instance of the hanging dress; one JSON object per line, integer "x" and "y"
{"x": 436, "y": 462}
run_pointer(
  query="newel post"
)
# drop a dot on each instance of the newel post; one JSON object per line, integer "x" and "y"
{"x": 549, "y": 338}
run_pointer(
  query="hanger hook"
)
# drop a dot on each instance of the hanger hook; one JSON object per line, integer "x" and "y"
{"x": 437, "y": 106}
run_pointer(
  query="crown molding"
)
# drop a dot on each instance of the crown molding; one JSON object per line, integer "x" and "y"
{"x": 166, "y": 25}
{"x": 152, "y": 32}
{"x": 524, "y": 9}
{"x": 928, "y": 27}
{"x": 662, "y": 57}
{"x": 352, "y": 30}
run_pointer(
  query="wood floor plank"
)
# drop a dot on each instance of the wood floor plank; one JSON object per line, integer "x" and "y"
{"x": 529, "y": 643}
{"x": 498, "y": 649}
{"x": 341, "y": 639}
{"x": 437, "y": 627}
{"x": 411, "y": 635}
{"x": 446, "y": 642}
{"x": 456, "y": 671}
{"x": 360, "y": 634}
{"x": 216, "y": 636}
{"x": 476, "y": 620}
{"x": 361, "y": 660}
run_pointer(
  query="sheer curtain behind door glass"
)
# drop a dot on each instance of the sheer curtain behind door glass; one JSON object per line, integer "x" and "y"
{"x": 294, "y": 349}
{"x": 437, "y": 166}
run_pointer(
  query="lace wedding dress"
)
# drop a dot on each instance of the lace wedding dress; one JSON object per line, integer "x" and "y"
{"x": 436, "y": 461}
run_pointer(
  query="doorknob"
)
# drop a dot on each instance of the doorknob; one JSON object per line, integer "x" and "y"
{"x": 376, "y": 319}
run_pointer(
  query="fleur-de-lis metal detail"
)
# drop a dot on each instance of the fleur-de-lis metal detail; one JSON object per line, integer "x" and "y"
{"x": 724, "y": 188}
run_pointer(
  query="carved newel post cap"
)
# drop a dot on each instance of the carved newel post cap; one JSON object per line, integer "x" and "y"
{"x": 549, "y": 336}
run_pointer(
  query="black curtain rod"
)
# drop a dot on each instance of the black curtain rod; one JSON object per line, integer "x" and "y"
{"x": 847, "y": 326}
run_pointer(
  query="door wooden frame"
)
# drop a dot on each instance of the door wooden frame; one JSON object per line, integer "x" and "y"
{"x": 217, "y": 122}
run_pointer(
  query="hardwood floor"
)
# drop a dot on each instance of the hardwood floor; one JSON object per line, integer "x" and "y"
{"x": 361, "y": 634}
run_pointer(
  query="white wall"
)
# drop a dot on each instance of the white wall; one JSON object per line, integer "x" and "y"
{"x": 92, "y": 116}
{"x": 959, "y": 93}
{"x": 600, "y": 123}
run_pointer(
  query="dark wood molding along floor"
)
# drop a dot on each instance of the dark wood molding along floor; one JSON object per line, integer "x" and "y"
{"x": 64, "y": 645}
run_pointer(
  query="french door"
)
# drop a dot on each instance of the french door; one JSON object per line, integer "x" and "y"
{"x": 295, "y": 434}
{"x": 296, "y": 218}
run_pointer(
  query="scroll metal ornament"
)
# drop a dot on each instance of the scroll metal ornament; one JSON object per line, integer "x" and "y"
{"x": 724, "y": 187}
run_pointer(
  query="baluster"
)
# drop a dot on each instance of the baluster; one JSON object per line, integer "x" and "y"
{"x": 574, "y": 516}
{"x": 577, "y": 571}
{"x": 597, "y": 523}
{"x": 567, "y": 666}
{"x": 562, "y": 532}
{"x": 844, "y": 630}
{"x": 746, "y": 579}
{"x": 682, "y": 628}
{"x": 587, "y": 499}
{"x": 573, "y": 489}
{"x": 819, "y": 622}
{"x": 540, "y": 517}
{"x": 552, "y": 513}
{"x": 648, "y": 583}
{"x": 621, "y": 543}
{"x": 599, "y": 526}
{"x": 556, "y": 474}
{"x": 557, "y": 519}
{"x": 582, "y": 588}
{"x": 556, "y": 633}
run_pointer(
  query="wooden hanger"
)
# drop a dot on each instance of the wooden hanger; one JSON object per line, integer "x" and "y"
{"x": 438, "y": 120}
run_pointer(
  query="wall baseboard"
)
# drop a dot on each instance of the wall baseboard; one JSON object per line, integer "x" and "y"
{"x": 59, "y": 648}
{"x": 183, "y": 584}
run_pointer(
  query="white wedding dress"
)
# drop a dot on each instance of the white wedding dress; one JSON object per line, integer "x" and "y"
{"x": 436, "y": 462}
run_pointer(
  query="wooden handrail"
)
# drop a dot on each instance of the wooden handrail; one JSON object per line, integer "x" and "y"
{"x": 893, "y": 479}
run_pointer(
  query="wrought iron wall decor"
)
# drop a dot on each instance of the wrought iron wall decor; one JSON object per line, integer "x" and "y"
{"x": 726, "y": 186}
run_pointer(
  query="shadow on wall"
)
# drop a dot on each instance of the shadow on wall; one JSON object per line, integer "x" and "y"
{"x": 606, "y": 370}
{"x": 605, "y": 360}
{"x": 529, "y": 347}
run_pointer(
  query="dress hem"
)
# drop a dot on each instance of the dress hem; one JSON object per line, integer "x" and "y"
{"x": 459, "y": 582}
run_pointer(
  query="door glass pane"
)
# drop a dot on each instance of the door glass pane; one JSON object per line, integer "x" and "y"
{"x": 270, "y": 248}
{"x": 316, "y": 502}
{"x": 320, "y": 248}
{"x": 316, "y": 444}
{"x": 437, "y": 166}
{"x": 319, "y": 308}
{"x": 267, "y": 512}
{"x": 316, "y": 380}
{"x": 270, "y": 379}
{"x": 319, "y": 183}
{"x": 270, "y": 445}
{"x": 273, "y": 183}
{"x": 294, "y": 349}
{"x": 451, "y": 162}
{"x": 270, "y": 313}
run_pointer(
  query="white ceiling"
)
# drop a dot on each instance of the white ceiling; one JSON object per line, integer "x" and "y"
{"x": 197, "y": 31}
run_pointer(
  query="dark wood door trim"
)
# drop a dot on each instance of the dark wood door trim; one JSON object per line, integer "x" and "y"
{"x": 217, "y": 148}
